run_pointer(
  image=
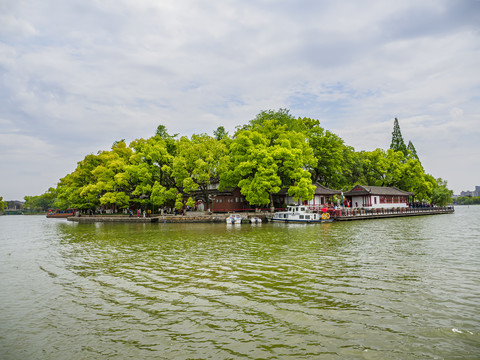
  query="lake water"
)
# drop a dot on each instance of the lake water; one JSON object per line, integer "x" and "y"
{"x": 405, "y": 288}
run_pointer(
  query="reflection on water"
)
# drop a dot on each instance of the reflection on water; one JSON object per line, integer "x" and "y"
{"x": 379, "y": 289}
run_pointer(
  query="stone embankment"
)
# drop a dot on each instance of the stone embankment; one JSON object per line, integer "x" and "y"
{"x": 203, "y": 217}
{"x": 190, "y": 217}
{"x": 112, "y": 219}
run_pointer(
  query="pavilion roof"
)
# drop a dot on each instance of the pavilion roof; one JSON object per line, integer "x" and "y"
{"x": 323, "y": 190}
{"x": 376, "y": 190}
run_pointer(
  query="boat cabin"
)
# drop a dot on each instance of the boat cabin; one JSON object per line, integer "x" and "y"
{"x": 300, "y": 213}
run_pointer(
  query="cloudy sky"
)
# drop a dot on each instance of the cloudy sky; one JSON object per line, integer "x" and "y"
{"x": 77, "y": 75}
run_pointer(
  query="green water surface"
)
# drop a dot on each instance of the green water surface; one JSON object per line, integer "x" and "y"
{"x": 404, "y": 288}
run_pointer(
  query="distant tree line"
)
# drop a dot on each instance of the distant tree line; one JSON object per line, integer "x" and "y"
{"x": 467, "y": 200}
{"x": 274, "y": 151}
{"x": 41, "y": 203}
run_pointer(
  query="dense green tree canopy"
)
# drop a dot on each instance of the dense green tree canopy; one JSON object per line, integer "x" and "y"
{"x": 274, "y": 151}
{"x": 270, "y": 154}
{"x": 441, "y": 195}
{"x": 198, "y": 164}
{"x": 332, "y": 158}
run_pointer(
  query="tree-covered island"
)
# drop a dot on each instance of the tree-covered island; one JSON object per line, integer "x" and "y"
{"x": 272, "y": 152}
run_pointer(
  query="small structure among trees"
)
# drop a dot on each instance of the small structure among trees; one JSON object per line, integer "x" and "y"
{"x": 371, "y": 197}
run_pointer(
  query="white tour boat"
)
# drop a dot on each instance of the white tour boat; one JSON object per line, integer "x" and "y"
{"x": 300, "y": 214}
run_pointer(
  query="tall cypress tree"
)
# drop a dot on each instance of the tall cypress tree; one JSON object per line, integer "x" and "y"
{"x": 411, "y": 149}
{"x": 397, "y": 140}
{"x": 413, "y": 152}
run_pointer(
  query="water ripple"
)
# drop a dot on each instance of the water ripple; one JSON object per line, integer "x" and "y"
{"x": 386, "y": 289}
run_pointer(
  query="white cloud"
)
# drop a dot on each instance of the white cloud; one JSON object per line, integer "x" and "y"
{"x": 83, "y": 74}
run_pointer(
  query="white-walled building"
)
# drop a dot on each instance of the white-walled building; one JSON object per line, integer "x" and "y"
{"x": 322, "y": 197}
{"x": 373, "y": 197}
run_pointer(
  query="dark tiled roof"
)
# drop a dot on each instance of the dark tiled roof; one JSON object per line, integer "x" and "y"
{"x": 376, "y": 190}
{"x": 323, "y": 190}
{"x": 319, "y": 190}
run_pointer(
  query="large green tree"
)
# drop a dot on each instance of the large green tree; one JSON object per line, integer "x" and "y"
{"x": 441, "y": 195}
{"x": 267, "y": 155}
{"x": 102, "y": 179}
{"x": 333, "y": 159}
{"x": 71, "y": 188}
{"x": 156, "y": 156}
{"x": 113, "y": 185}
{"x": 198, "y": 164}
{"x": 391, "y": 168}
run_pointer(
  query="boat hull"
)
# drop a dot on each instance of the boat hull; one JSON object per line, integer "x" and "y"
{"x": 234, "y": 219}
{"x": 60, "y": 216}
{"x": 301, "y": 214}
{"x": 297, "y": 221}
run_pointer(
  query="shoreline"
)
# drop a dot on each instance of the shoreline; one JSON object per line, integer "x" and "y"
{"x": 221, "y": 218}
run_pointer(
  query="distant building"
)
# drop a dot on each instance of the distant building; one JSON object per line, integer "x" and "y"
{"x": 475, "y": 192}
{"x": 14, "y": 205}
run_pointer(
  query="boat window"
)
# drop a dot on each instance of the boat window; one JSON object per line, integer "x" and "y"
{"x": 302, "y": 216}
{"x": 302, "y": 209}
{"x": 307, "y": 217}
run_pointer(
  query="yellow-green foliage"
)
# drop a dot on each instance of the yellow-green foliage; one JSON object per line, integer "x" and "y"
{"x": 274, "y": 151}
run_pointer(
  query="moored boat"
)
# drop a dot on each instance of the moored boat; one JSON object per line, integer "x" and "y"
{"x": 60, "y": 213}
{"x": 255, "y": 220}
{"x": 234, "y": 219}
{"x": 300, "y": 214}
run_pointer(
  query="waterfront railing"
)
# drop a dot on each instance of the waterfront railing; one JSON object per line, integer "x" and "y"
{"x": 395, "y": 211}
